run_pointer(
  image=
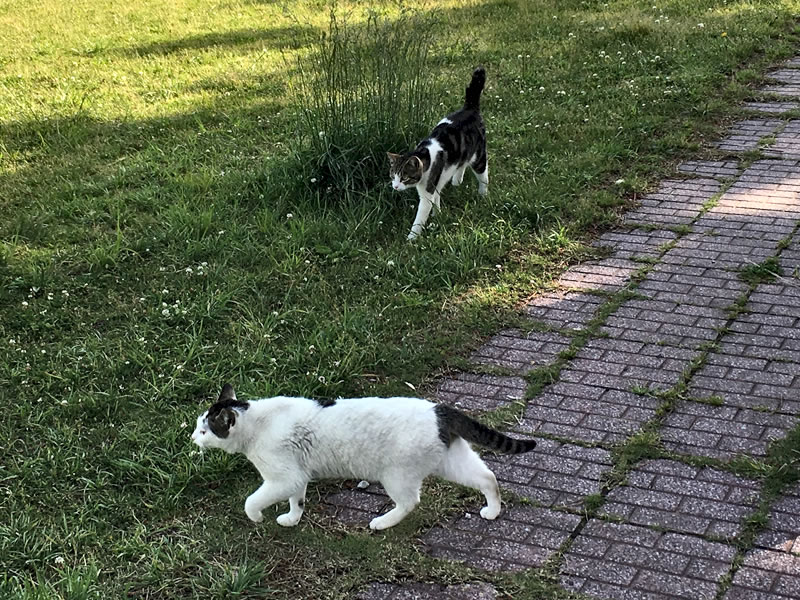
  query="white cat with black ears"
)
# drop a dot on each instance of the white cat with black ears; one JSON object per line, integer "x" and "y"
{"x": 458, "y": 141}
{"x": 396, "y": 441}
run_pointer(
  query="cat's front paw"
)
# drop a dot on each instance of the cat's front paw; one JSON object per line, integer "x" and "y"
{"x": 489, "y": 513}
{"x": 379, "y": 523}
{"x": 412, "y": 236}
{"x": 252, "y": 512}
{"x": 287, "y": 520}
{"x": 255, "y": 517}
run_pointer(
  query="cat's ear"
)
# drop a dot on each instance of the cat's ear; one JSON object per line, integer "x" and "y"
{"x": 418, "y": 163}
{"x": 221, "y": 423}
{"x": 394, "y": 158}
{"x": 227, "y": 393}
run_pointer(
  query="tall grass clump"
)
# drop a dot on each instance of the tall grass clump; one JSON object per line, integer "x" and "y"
{"x": 364, "y": 89}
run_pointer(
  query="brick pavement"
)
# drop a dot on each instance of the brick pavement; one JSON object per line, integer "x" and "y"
{"x": 703, "y": 361}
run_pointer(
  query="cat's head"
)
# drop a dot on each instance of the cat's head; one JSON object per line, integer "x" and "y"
{"x": 404, "y": 171}
{"x": 217, "y": 427}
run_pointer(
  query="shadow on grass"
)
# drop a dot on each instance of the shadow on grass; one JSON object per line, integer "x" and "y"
{"x": 290, "y": 36}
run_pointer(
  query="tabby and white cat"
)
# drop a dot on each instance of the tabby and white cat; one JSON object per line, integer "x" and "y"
{"x": 396, "y": 441}
{"x": 458, "y": 141}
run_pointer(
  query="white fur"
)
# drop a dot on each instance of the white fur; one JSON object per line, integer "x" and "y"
{"x": 428, "y": 201}
{"x": 391, "y": 440}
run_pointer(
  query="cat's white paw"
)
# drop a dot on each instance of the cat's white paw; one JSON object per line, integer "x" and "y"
{"x": 379, "y": 523}
{"x": 483, "y": 189}
{"x": 490, "y": 513}
{"x": 255, "y": 517}
{"x": 412, "y": 236}
{"x": 253, "y": 513}
{"x": 287, "y": 520}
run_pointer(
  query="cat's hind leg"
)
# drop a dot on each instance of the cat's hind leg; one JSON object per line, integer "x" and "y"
{"x": 462, "y": 465}
{"x": 403, "y": 489}
{"x": 480, "y": 166}
{"x": 458, "y": 176}
{"x": 483, "y": 180}
{"x": 296, "y": 505}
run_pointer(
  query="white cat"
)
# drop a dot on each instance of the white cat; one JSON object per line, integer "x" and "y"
{"x": 397, "y": 441}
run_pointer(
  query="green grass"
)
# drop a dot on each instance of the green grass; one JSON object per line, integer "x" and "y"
{"x": 162, "y": 234}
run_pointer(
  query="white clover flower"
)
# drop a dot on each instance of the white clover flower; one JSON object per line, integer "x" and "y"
{"x": 619, "y": 181}
{"x": 59, "y": 560}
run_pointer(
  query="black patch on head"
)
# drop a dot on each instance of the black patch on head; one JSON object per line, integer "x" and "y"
{"x": 222, "y": 414}
{"x": 325, "y": 402}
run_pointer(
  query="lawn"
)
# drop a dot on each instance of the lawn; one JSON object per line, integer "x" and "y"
{"x": 167, "y": 227}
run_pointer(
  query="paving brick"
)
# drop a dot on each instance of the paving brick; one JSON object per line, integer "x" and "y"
{"x": 427, "y": 591}
{"x": 554, "y": 474}
{"x": 789, "y": 260}
{"x": 719, "y": 248}
{"x": 751, "y": 382}
{"x": 787, "y": 142}
{"x": 520, "y": 538}
{"x": 722, "y": 431}
{"x": 357, "y": 507}
{"x": 682, "y": 498}
{"x": 782, "y": 532}
{"x": 614, "y": 560}
{"x": 621, "y": 365}
{"x": 608, "y": 274}
{"x": 676, "y": 202}
{"x": 521, "y": 351}
{"x": 766, "y": 575}
{"x": 472, "y": 392}
{"x": 763, "y": 194}
{"x": 788, "y": 90}
{"x": 590, "y": 413}
{"x": 635, "y": 243}
{"x": 564, "y": 309}
{"x": 788, "y": 75}
{"x": 771, "y": 107}
{"x": 707, "y": 287}
{"x": 666, "y": 319}
{"x": 745, "y": 135}
{"x": 717, "y": 169}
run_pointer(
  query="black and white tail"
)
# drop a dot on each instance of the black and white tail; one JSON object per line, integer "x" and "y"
{"x": 453, "y": 422}
{"x": 474, "y": 89}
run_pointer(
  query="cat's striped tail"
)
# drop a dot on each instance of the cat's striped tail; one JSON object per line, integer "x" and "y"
{"x": 474, "y": 89}
{"x": 453, "y": 422}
